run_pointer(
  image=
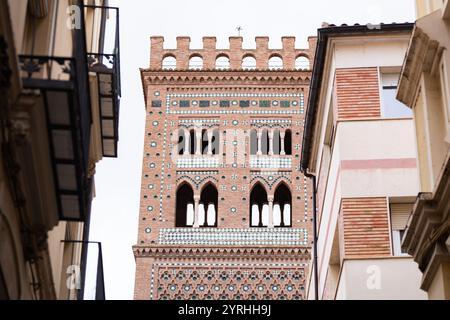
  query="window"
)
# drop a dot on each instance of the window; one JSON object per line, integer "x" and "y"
{"x": 391, "y": 107}
{"x": 275, "y": 63}
{"x": 302, "y": 63}
{"x": 196, "y": 62}
{"x": 169, "y": 63}
{"x": 185, "y": 206}
{"x": 182, "y": 143}
{"x": 249, "y": 63}
{"x": 259, "y": 207}
{"x": 265, "y": 142}
{"x": 223, "y": 63}
{"x": 400, "y": 213}
{"x": 253, "y": 142}
{"x": 288, "y": 142}
{"x": 156, "y": 103}
{"x": 282, "y": 207}
{"x": 192, "y": 142}
{"x": 208, "y": 207}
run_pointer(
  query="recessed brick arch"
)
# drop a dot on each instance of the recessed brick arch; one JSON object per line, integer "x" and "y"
{"x": 302, "y": 62}
{"x": 169, "y": 61}
{"x": 249, "y": 61}
{"x": 196, "y": 61}
{"x": 275, "y": 61}
{"x": 184, "y": 197}
{"x": 222, "y": 61}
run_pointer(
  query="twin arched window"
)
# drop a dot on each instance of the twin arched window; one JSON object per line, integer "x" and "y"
{"x": 204, "y": 212}
{"x": 191, "y": 213}
{"x": 264, "y": 213}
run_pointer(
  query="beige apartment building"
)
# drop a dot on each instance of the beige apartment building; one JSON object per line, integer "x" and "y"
{"x": 425, "y": 88}
{"x": 59, "y": 104}
{"x": 360, "y": 149}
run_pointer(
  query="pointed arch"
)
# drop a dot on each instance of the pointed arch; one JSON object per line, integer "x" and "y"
{"x": 209, "y": 199}
{"x": 258, "y": 202}
{"x": 184, "y": 205}
{"x": 283, "y": 199}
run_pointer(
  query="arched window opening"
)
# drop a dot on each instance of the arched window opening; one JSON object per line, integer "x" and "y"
{"x": 249, "y": 63}
{"x": 205, "y": 142}
{"x": 288, "y": 142}
{"x": 192, "y": 142}
{"x": 282, "y": 207}
{"x": 265, "y": 142}
{"x": 302, "y": 63}
{"x": 253, "y": 142}
{"x": 182, "y": 143}
{"x": 223, "y": 63}
{"x": 196, "y": 62}
{"x": 208, "y": 208}
{"x": 184, "y": 216}
{"x": 276, "y": 142}
{"x": 169, "y": 63}
{"x": 216, "y": 142}
{"x": 259, "y": 207}
{"x": 275, "y": 63}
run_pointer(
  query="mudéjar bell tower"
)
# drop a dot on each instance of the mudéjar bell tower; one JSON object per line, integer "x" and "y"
{"x": 225, "y": 212}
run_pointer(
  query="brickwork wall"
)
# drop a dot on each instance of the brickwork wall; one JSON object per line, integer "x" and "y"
{"x": 255, "y": 99}
{"x": 357, "y": 91}
{"x": 365, "y": 227}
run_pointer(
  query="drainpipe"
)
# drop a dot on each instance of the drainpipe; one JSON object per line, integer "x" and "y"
{"x": 315, "y": 259}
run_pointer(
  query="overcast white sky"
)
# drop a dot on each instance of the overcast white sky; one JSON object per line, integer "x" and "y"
{"x": 116, "y": 207}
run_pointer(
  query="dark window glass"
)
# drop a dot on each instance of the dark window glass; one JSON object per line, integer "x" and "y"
{"x": 264, "y": 104}
{"x": 156, "y": 103}
{"x": 224, "y": 104}
{"x": 204, "y": 104}
{"x": 185, "y": 104}
{"x": 285, "y": 104}
{"x": 244, "y": 103}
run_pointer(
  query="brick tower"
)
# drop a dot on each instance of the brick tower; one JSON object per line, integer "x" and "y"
{"x": 225, "y": 212}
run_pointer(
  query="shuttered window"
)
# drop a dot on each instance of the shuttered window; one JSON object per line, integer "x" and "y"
{"x": 400, "y": 213}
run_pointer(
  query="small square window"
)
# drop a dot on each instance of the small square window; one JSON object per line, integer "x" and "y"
{"x": 185, "y": 104}
{"x": 285, "y": 104}
{"x": 244, "y": 103}
{"x": 156, "y": 103}
{"x": 204, "y": 104}
{"x": 264, "y": 104}
{"x": 224, "y": 104}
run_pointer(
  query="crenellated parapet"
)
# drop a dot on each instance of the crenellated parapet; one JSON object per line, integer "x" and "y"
{"x": 234, "y": 58}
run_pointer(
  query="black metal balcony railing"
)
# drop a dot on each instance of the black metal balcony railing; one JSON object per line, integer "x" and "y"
{"x": 82, "y": 282}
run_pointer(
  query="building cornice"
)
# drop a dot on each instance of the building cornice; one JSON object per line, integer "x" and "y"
{"x": 252, "y": 253}
{"x": 422, "y": 56}
{"x": 240, "y": 78}
{"x": 429, "y": 228}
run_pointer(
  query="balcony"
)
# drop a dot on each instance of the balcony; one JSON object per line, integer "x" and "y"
{"x": 234, "y": 237}
{"x": 68, "y": 100}
{"x": 104, "y": 61}
{"x": 68, "y": 119}
{"x": 271, "y": 162}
